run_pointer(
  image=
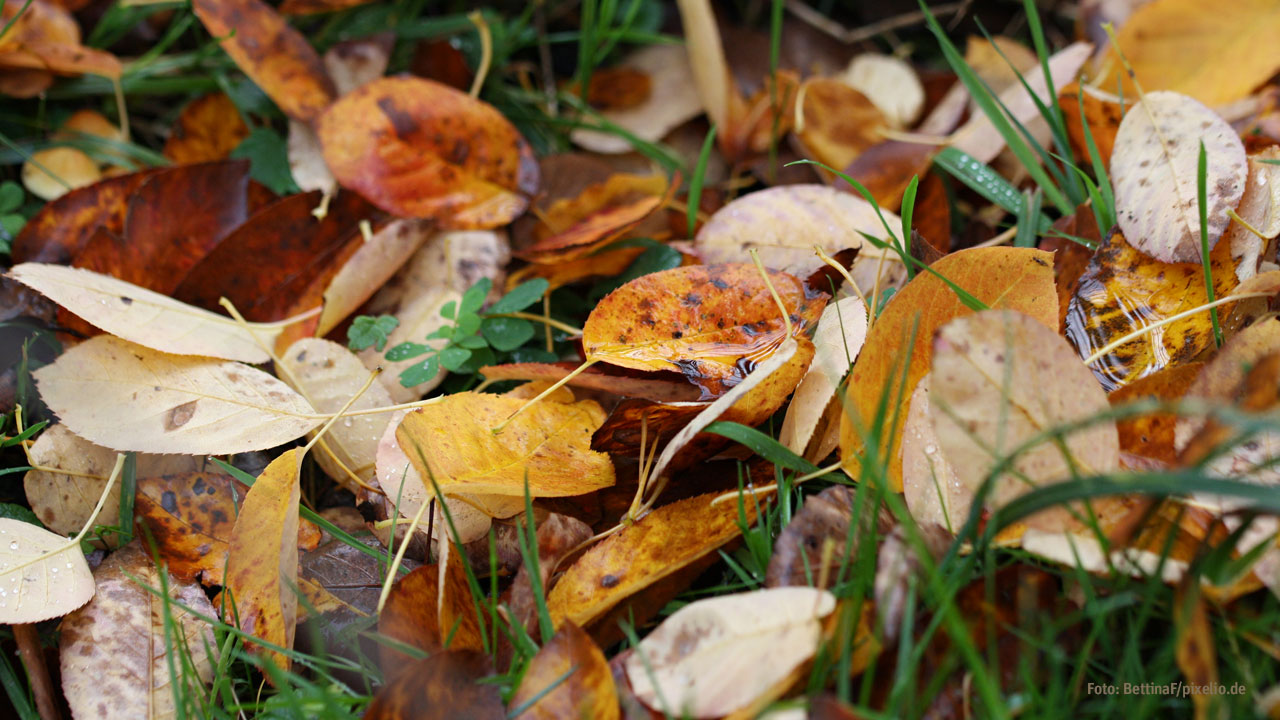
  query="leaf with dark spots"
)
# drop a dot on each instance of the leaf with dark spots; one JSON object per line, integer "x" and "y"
{"x": 603, "y": 213}
{"x": 290, "y": 248}
{"x": 207, "y": 129}
{"x": 445, "y": 686}
{"x": 416, "y": 148}
{"x": 56, "y": 233}
{"x": 556, "y": 537}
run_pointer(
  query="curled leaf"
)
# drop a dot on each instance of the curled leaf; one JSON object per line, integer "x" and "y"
{"x": 837, "y": 341}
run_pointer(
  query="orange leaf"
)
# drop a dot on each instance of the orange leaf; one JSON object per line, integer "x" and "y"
{"x": 711, "y": 322}
{"x": 445, "y": 686}
{"x": 56, "y": 233}
{"x": 568, "y": 678}
{"x": 1102, "y": 111}
{"x": 1014, "y": 278}
{"x": 421, "y": 613}
{"x": 262, "y": 562}
{"x": 1151, "y": 435}
{"x": 416, "y": 148}
{"x": 839, "y": 123}
{"x": 662, "y": 543}
{"x": 573, "y": 227}
{"x": 270, "y": 52}
{"x": 208, "y": 128}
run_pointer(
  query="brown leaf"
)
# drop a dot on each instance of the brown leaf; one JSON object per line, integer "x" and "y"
{"x": 556, "y": 537}
{"x": 115, "y": 651}
{"x": 601, "y": 214}
{"x": 800, "y": 556}
{"x": 416, "y": 148}
{"x": 422, "y": 613}
{"x": 886, "y": 168}
{"x": 1151, "y": 435}
{"x": 575, "y": 671}
{"x": 1070, "y": 258}
{"x": 1194, "y": 646}
{"x": 674, "y": 100}
{"x": 271, "y": 52}
{"x": 839, "y": 122}
{"x": 207, "y": 129}
{"x": 444, "y": 686}
{"x": 656, "y": 386}
{"x": 1102, "y": 111}
{"x": 899, "y": 566}
{"x": 58, "y": 230}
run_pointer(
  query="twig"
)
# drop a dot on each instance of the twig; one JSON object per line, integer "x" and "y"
{"x": 33, "y": 659}
{"x": 866, "y": 32}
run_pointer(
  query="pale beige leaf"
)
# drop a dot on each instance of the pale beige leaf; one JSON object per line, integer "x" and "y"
{"x": 369, "y": 268}
{"x": 71, "y": 169}
{"x": 785, "y": 223}
{"x": 1260, "y": 207}
{"x": 890, "y": 83}
{"x": 1001, "y": 379}
{"x": 64, "y": 500}
{"x": 1076, "y": 549}
{"x": 114, "y": 652}
{"x": 42, "y": 575}
{"x": 980, "y": 138}
{"x": 841, "y": 331}
{"x": 438, "y": 273}
{"x": 148, "y": 318}
{"x": 1154, "y": 170}
{"x": 672, "y": 102}
{"x": 707, "y": 62}
{"x": 352, "y": 64}
{"x": 933, "y": 493}
{"x": 306, "y": 160}
{"x": 713, "y": 656}
{"x": 328, "y": 375}
{"x": 128, "y": 397}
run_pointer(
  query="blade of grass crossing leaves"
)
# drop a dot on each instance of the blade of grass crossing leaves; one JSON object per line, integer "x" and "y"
{"x": 529, "y": 549}
{"x": 1026, "y": 236}
{"x": 909, "y": 205}
{"x": 983, "y": 180}
{"x": 13, "y": 687}
{"x": 1202, "y": 193}
{"x": 694, "y": 200}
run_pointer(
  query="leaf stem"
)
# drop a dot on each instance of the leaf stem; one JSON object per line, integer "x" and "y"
{"x": 538, "y": 318}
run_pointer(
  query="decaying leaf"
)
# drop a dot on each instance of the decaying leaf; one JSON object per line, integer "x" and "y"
{"x": 568, "y": 678}
{"x": 423, "y": 613}
{"x": 269, "y": 50}
{"x": 1151, "y": 435}
{"x": 890, "y": 83}
{"x": 672, "y": 101}
{"x": 445, "y": 686}
{"x": 655, "y": 386}
{"x": 58, "y": 230}
{"x": 557, "y": 536}
{"x": 262, "y": 560}
{"x": 574, "y": 227}
{"x": 1260, "y": 207}
{"x": 899, "y": 566}
{"x": 1000, "y": 380}
{"x": 384, "y": 141}
{"x": 840, "y": 334}
{"x": 127, "y": 397}
{"x": 711, "y": 656}
{"x": 800, "y": 556}
{"x": 42, "y": 575}
{"x": 1014, "y": 278}
{"x": 208, "y": 128}
{"x": 1154, "y": 170}
{"x": 147, "y": 318}
{"x": 65, "y": 501}
{"x": 836, "y": 121}
{"x": 115, "y": 651}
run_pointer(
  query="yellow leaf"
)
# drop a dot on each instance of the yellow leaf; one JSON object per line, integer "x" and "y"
{"x": 42, "y": 575}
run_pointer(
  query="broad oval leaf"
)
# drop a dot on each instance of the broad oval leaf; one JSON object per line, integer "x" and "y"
{"x": 424, "y": 613}
{"x": 1015, "y": 278}
{"x": 372, "y": 265}
{"x": 568, "y": 678}
{"x": 712, "y": 656}
{"x": 838, "y": 122}
{"x": 416, "y": 148}
{"x": 837, "y": 341}
{"x": 42, "y": 575}
{"x": 1154, "y": 169}
{"x": 445, "y": 686}
{"x": 890, "y": 83}
{"x": 1002, "y": 380}
{"x": 59, "y": 229}
{"x": 1260, "y": 207}
{"x": 115, "y": 651}
{"x": 148, "y": 318}
{"x": 128, "y": 397}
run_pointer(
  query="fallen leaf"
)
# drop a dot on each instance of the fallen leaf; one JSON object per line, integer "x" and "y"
{"x": 115, "y": 651}
{"x": 785, "y": 223}
{"x": 547, "y": 446}
{"x": 1015, "y": 278}
{"x": 59, "y": 229}
{"x": 890, "y": 83}
{"x": 886, "y": 168}
{"x": 900, "y": 567}
{"x": 70, "y": 168}
{"x": 1215, "y": 52}
{"x": 355, "y": 63}
{"x": 271, "y": 52}
{"x": 1102, "y": 111}
{"x": 556, "y": 537}
{"x": 1001, "y": 380}
{"x": 653, "y": 386}
{"x": 444, "y": 686}
{"x": 423, "y": 614}
{"x": 43, "y": 38}
{"x": 127, "y": 397}
{"x": 605, "y": 263}
{"x": 569, "y": 677}
{"x": 147, "y": 318}
{"x": 999, "y": 59}
{"x": 1260, "y": 207}
{"x": 574, "y": 227}
{"x": 372, "y": 265}
{"x": 1154, "y": 171}
{"x": 262, "y": 560}
{"x": 207, "y": 129}
{"x": 64, "y": 501}
{"x": 712, "y": 323}
{"x": 841, "y": 331}
{"x": 42, "y": 575}
{"x": 384, "y": 141}
{"x": 930, "y": 487}
{"x": 675, "y": 101}
{"x": 1123, "y": 290}
{"x": 1070, "y": 258}
{"x": 707, "y": 65}
{"x": 1151, "y": 435}
{"x": 662, "y": 543}
{"x": 710, "y": 657}
{"x": 1194, "y": 648}
{"x": 799, "y": 554}
{"x": 835, "y": 122}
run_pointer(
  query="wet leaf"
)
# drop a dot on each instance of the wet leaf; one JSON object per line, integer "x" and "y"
{"x": 423, "y": 613}
{"x": 575, "y": 670}
{"x": 262, "y": 560}
{"x": 442, "y": 687}
{"x": 1151, "y": 435}
{"x": 207, "y": 129}
{"x": 276, "y": 56}
{"x": 115, "y": 651}
{"x": 840, "y": 334}
{"x": 1015, "y": 278}
{"x": 673, "y": 101}
{"x": 710, "y": 656}
{"x": 1154, "y": 171}
{"x": 1122, "y": 290}
{"x": 126, "y": 397}
{"x": 660, "y": 544}
{"x": 145, "y": 317}
{"x": 386, "y": 142}
{"x": 931, "y": 489}
{"x": 1001, "y": 380}
{"x": 42, "y": 575}
{"x": 58, "y": 230}
{"x": 886, "y": 168}
{"x": 548, "y": 444}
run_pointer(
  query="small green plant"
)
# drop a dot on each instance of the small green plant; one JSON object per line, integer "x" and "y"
{"x": 367, "y": 332}
{"x": 11, "y": 221}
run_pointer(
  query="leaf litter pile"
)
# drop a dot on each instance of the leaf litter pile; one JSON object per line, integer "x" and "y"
{"x": 604, "y": 360}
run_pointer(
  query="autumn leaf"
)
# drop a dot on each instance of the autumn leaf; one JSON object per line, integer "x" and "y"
{"x": 933, "y": 493}
{"x": 837, "y": 122}
{"x": 114, "y": 651}
{"x": 567, "y": 678}
{"x": 603, "y": 213}
{"x": 547, "y": 445}
{"x": 1014, "y": 278}
{"x": 207, "y": 129}
{"x": 1260, "y": 208}
{"x": 43, "y": 575}
{"x": 58, "y": 230}
{"x": 838, "y": 339}
{"x": 373, "y": 264}
{"x": 422, "y": 613}
{"x": 1151, "y": 435}
{"x": 174, "y": 403}
{"x": 656, "y": 386}
{"x": 672, "y": 101}
{"x": 800, "y": 556}
{"x": 441, "y": 687}
{"x": 383, "y": 141}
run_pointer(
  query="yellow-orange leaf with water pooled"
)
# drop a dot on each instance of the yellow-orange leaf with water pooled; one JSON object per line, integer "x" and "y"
{"x": 1015, "y": 278}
